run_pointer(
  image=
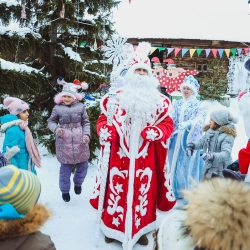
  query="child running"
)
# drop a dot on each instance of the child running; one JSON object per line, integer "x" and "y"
{"x": 70, "y": 122}
{"x": 217, "y": 143}
{"x": 18, "y": 136}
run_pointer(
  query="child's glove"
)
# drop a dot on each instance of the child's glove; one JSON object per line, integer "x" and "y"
{"x": 151, "y": 133}
{"x": 59, "y": 132}
{"x": 10, "y": 152}
{"x": 85, "y": 139}
{"x": 184, "y": 125}
{"x": 207, "y": 157}
{"x": 107, "y": 133}
{"x": 190, "y": 149}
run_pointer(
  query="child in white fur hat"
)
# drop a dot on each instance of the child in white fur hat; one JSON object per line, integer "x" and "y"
{"x": 217, "y": 143}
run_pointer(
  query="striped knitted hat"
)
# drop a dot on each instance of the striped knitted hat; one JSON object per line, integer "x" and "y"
{"x": 18, "y": 187}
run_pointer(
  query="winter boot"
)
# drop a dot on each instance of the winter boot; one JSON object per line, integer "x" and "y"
{"x": 66, "y": 197}
{"x": 78, "y": 190}
{"x": 234, "y": 175}
{"x": 143, "y": 240}
{"x": 108, "y": 240}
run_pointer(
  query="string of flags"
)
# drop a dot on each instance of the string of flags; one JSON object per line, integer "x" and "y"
{"x": 215, "y": 52}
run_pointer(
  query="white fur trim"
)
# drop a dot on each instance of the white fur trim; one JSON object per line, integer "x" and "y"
{"x": 132, "y": 69}
{"x": 7, "y": 125}
{"x": 189, "y": 86}
{"x": 160, "y": 134}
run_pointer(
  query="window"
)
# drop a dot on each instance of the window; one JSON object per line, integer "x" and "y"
{"x": 201, "y": 67}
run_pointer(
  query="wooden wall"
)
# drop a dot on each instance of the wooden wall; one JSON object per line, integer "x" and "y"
{"x": 187, "y": 62}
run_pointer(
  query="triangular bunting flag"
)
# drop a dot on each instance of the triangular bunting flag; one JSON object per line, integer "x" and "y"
{"x": 153, "y": 49}
{"x": 176, "y": 51}
{"x": 199, "y": 52}
{"x": 233, "y": 50}
{"x": 214, "y": 51}
{"x": 207, "y": 52}
{"x": 183, "y": 51}
{"x": 161, "y": 49}
{"x": 82, "y": 44}
{"x": 170, "y": 50}
{"x": 227, "y": 51}
{"x": 191, "y": 51}
{"x": 246, "y": 50}
{"x": 220, "y": 52}
{"x": 239, "y": 51}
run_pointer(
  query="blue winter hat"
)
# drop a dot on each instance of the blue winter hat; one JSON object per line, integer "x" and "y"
{"x": 192, "y": 83}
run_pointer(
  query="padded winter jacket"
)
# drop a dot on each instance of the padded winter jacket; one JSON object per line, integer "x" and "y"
{"x": 15, "y": 136}
{"x": 23, "y": 234}
{"x": 220, "y": 143}
{"x": 74, "y": 121}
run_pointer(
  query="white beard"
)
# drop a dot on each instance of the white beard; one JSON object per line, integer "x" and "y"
{"x": 140, "y": 98}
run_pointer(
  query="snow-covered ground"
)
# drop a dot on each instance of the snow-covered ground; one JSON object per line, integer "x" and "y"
{"x": 73, "y": 224}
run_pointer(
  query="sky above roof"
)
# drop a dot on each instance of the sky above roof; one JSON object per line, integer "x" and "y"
{"x": 184, "y": 19}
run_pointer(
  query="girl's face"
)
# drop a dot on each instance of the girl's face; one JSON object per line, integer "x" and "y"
{"x": 24, "y": 115}
{"x": 213, "y": 124}
{"x": 67, "y": 99}
{"x": 187, "y": 92}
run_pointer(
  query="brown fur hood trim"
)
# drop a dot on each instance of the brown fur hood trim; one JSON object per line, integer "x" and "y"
{"x": 29, "y": 224}
{"x": 225, "y": 129}
{"x": 218, "y": 214}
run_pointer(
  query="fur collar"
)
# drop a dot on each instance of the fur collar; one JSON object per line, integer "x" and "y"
{"x": 230, "y": 130}
{"x": 7, "y": 125}
{"x": 29, "y": 224}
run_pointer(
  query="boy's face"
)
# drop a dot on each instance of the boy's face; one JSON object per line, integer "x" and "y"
{"x": 24, "y": 115}
{"x": 67, "y": 99}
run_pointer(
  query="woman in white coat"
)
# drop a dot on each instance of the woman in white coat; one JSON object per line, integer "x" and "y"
{"x": 189, "y": 115}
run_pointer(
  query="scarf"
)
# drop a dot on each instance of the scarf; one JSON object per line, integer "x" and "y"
{"x": 30, "y": 144}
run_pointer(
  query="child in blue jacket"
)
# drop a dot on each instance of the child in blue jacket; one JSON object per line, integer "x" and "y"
{"x": 18, "y": 135}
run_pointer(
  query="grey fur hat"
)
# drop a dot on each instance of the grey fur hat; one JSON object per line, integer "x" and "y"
{"x": 223, "y": 117}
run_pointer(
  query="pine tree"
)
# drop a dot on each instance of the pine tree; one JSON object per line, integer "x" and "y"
{"x": 57, "y": 38}
{"x": 213, "y": 84}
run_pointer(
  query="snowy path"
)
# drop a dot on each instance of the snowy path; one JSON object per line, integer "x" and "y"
{"x": 72, "y": 226}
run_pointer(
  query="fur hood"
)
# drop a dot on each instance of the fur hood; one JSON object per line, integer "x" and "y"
{"x": 218, "y": 214}
{"x": 227, "y": 129}
{"x": 29, "y": 224}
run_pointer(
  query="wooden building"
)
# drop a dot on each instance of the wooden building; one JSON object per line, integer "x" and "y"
{"x": 187, "y": 62}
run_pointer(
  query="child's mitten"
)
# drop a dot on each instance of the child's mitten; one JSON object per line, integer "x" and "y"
{"x": 190, "y": 149}
{"x": 10, "y": 152}
{"x": 85, "y": 139}
{"x": 207, "y": 157}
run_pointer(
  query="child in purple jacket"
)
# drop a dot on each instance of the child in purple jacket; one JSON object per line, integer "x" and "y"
{"x": 70, "y": 122}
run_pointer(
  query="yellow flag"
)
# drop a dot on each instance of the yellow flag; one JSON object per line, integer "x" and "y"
{"x": 227, "y": 51}
{"x": 191, "y": 51}
{"x": 152, "y": 50}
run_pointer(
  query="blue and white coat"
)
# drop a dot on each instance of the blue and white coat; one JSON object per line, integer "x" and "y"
{"x": 181, "y": 165}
